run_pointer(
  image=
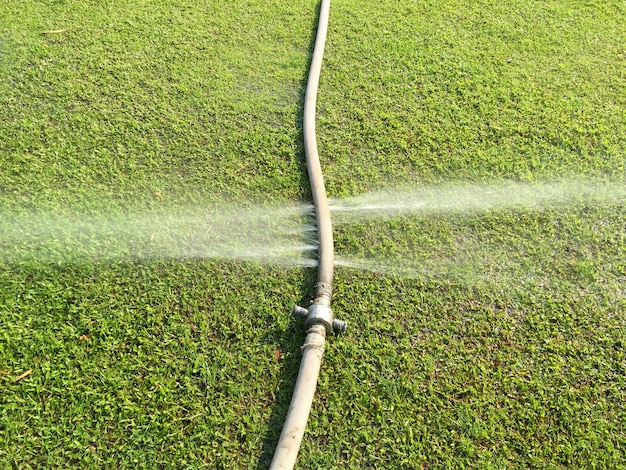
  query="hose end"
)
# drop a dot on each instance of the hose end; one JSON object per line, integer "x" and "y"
{"x": 339, "y": 326}
{"x": 299, "y": 312}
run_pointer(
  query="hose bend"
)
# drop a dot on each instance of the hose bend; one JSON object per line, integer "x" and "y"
{"x": 318, "y": 317}
{"x": 314, "y": 168}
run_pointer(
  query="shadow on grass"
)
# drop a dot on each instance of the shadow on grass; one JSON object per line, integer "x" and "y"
{"x": 292, "y": 338}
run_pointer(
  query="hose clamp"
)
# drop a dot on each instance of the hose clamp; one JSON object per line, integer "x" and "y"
{"x": 324, "y": 291}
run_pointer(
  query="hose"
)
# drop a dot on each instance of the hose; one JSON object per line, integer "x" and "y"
{"x": 301, "y": 401}
{"x": 322, "y": 210}
{"x": 318, "y": 318}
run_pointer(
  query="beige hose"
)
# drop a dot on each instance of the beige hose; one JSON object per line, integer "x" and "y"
{"x": 298, "y": 414}
{"x": 319, "y": 318}
{"x": 322, "y": 210}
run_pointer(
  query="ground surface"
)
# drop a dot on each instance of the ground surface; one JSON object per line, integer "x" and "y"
{"x": 511, "y": 358}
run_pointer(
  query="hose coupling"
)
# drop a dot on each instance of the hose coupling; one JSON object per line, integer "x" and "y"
{"x": 320, "y": 314}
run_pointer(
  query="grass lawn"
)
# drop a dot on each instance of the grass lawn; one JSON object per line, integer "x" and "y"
{"x": 507, "y": 349}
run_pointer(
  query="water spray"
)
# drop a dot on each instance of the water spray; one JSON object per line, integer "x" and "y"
{"x": 318, "y": 318}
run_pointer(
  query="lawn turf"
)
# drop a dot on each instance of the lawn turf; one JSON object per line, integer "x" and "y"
{"x": 510, "y": 358}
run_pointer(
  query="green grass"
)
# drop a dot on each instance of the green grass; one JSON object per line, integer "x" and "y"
{"x": 506, "y": 350}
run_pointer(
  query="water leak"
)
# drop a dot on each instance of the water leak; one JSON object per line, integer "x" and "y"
{"x": 278, "y": 235}
{"x": 284, "y": 235}
{"x": 456, "y": 198}
{"x": 540, "y": 230}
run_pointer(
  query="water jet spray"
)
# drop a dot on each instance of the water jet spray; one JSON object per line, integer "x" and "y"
{"x": 318, "y": 318}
